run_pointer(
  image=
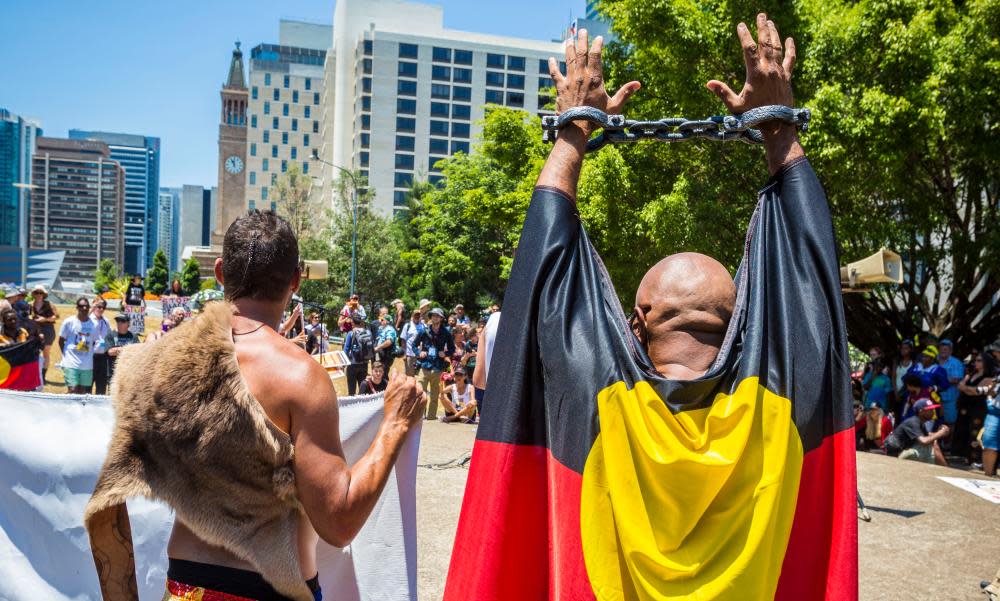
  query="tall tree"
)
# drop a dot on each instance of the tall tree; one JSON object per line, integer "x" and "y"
{"x": 190, "y": 276}
{"x": 158, "y": 276}
{"x": 295, "y": 202}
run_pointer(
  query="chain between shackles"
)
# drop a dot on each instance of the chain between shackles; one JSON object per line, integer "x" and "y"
{"x": 616, "y": 129}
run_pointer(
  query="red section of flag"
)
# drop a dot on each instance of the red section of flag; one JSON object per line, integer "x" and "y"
{"x": 821, "y": 560}
{"x": 527, "y": 505}
{"x": 22, "y": 377}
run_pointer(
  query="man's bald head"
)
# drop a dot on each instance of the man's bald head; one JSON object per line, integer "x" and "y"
{"x": 683, "y": 306}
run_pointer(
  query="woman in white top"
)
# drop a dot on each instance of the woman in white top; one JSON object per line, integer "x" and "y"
{"x": 457, "y": 399}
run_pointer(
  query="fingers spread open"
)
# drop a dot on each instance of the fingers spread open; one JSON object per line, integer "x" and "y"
{"x": 582, "y": 43}
{"x": 622, "y": 95}
{"x": 763, "y": 35}
{"x": 789, "y": 63}
{"x": 726, "y": 94}
{"x": 749, "y": 46}
{"x": 570, "y": 49}
{"x": 554, "y": 73}
{"x": 594, "y": 59}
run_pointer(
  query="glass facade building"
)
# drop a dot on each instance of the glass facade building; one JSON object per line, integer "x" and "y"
{"x": 17, "y": 143}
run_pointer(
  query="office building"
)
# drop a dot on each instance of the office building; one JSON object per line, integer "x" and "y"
{"x": 232, "y": 149}
{"x": 195, "y": 219}
{"x": 402, "y": 92}
{"x": 17, "y": 143}
{"x": 140, "y": 157}
{"x": 166, "y": 222}
{"x": 77, "y": 204}
{"x": 286, "y": 88}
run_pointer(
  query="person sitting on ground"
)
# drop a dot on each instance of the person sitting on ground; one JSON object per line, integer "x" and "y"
{"x": 237, "y": 430}
{"x": 173, "y": 321}
{"x": 878, "y": 426}
{"x": 9, "y": 332}
{"x": 458, "y": 400}
{"x": 376, "y": 382}
{"x": 910, "y": 440}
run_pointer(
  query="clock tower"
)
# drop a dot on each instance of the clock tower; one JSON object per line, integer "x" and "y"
{"x": 231, "y": 199}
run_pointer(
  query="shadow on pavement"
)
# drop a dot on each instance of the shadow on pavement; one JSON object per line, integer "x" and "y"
{"x": 903, "y": 513}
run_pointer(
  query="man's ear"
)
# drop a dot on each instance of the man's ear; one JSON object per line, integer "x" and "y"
{"x": 639, "y": 326}
{"x": 296, "y": 280}
{"x": 218, "y": 272}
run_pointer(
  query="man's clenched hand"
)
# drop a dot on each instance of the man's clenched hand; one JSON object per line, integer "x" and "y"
{"x": 404, "y": 401}
{"x": 583, "y": 84}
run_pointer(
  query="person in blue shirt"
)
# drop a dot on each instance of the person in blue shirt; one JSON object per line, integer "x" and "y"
{"x": 955, "y": 370}
{"x": 878, "y": 385}
{"x": 433, "y": 345}
{"x": 932, "y": 375}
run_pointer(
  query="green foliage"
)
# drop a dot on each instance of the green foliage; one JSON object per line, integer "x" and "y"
{"x": 190, "y": 276}
{"x": 157, "y": 278}
{"x": 294, "y": 201}
{"x": 105, "y": 275}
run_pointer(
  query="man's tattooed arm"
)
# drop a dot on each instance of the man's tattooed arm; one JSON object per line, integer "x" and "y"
{"x": 111, "y": 544}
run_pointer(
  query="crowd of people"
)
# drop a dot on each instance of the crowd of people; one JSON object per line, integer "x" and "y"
{"x": 926, "y": 404}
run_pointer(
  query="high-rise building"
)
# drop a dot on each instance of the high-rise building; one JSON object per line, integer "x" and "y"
{"x": 403, "y": 92}
{"x": 166, "y": 221}
{"x": 286, "y": 88}
{"x": 77, "y": 204}
{"x": 17, "y": 143}
{"x": 195, "y": 218}
{"x": 140, "y": 157}
{"x": 232, "y": 149}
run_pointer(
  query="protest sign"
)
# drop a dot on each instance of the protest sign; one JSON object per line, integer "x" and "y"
{"x": 136, "y": 318}
{"x": 172, "y": 302}
{"x": 984, "y": 489}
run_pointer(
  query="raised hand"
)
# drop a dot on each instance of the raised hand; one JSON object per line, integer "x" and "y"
{"x": 769, "y": 69}
{"x": 404, "y": 401}
{"x": 583, "y": 84}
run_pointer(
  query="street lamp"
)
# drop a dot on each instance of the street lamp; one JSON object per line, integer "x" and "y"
{"x": 22, "y": 218}
{"x": 354, "y": 209}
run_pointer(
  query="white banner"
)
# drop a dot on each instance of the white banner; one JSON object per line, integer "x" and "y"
{"x": 51, "y": 450}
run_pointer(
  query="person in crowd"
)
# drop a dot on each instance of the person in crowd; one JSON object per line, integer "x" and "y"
{"x": 878, "y": 427}
{"x": 469, "y": 358}
{"x": 916, "y": 438}
{"x": 424, "y": 307}
{"x": 878, "y": 386}
{"x": 860, "y": 423}
{"x": 117, "y": 339}
{"x": 458, "y": 340}
{"x": 452, "y": 322}
{"x": 45, "y": 317}
{"x": 173, "y": 321}
{"x": 955, "y": 370}
{"x": 360, "y": 350}
{"x": 317, "y": 329}
{"x": 434, "y": 345}
{"x": 377, "y": 381}
{"x": 458, "y": 400}
{"x": 972, "y": 408}
{"x": 460, "y": 316}
{"x": 914, "y": 388}
{"x": 931, "y": 374}
{"x": 385, "y": 342}
{"x": 900, "y": 367}
{"x": 175, "y": 289}
{"x": 102, "y": 329}
{"x": 16, "y": 296}
{"x": 10, "y": 333}
{"x": 484, "y": 354}
{"x": 352, "y": 306}
{"x": 77, "y": 338}
{"x": 408, "y": 338}
{"x": 399, "y": 314}
{"x": 135, "y": 294}
{"x": 988, "y": 389}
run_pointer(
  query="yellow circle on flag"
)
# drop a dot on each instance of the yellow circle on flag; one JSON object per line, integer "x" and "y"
{"x": 4, "y": 370}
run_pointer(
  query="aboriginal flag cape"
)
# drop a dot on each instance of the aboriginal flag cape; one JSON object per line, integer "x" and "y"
{"x": 19, "y": 366}
{"x": 593, "y": 477}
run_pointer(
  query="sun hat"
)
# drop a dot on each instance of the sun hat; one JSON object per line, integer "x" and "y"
{"x": 931, "y": 351}
{"x": 438, "y": 312}
{"x": 424, "y": 303}
{"x": 40, "y": 288}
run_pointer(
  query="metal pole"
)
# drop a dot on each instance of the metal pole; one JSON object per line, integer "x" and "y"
{"x": 354, "y": 233}
{"x": 22, "y": 219}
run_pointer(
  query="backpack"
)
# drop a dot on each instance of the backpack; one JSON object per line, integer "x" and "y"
{"x": 361, "y": 349}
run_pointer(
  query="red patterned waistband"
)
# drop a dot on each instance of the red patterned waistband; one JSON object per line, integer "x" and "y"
{"x": 185, "y": 592}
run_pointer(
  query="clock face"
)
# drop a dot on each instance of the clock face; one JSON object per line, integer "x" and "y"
{"x": 234, "y": 164}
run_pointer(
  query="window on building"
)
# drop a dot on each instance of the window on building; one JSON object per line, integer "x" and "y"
{"x": 440, "y": 90}
{"x": 267, "y": 108}
{"x": 286, "y": 81}
{"x": 407, "y": 69}
{"x": 253, "y": 121}
{"x": 284, "y": 166}
{"x": 494, "y": 78}
{"x": 406, "y": 106}
{"x": 441, "y": 55}
{"x": 460, "y": 75}
{"x": 438, "y": 145}
{"x": 405, "y": 143}
{"x": 435, "y": 162}
{"x": 366, "y": 103}
{"x": 406, "y": 87}
{"x": 515, "y": 63}
{"x": 402, "y": 179}
{"x": 439, "y": 109}
{"x": 274, "y": 151}
{"x": 439, "y": 128}
{"x": 364, "y": 173}
{"x": 494, "y": 96}
{"x": 305, "y": 140}
{"x": 253, "y": 92}
{"x": 367, "y": 46}
{"x": 404, "y": 161}
{"x": 366, "y": 66}
{"x": 399, "y": 198}
{"x": 315, "y": 127}
{"x": 515, "y": 99}
{"x": 284, "y": 137}
{"x": 295, "y": 96}
{"x": 515, "y": 81}
{"x": 263, "y": 193}
{"x": 543, "y": 66}
{"x": 366, "y": 140}
{"x": 315, "y": 97}
{"x": 366, "y": 85}
{"x": 458, "y": 146}
{"x": 460, "y": 130}
{"x": 461, "y": 111}
{"x": 284, "y": 109}
{"x": 264, "y": 164}
{"x": 276, "y": 94}
{"x": 295, "y": 125}
{"x": 408, "y": 50}
{"x": 307, "y": 112}
{"x": 462, "y": 93}
{"x": 267, "y": 79}
{"x": 406, "y": 124}
{"x": 252, "y": 204}
{"x": 267, "y": 136}
{"x": 463, "y": 57}
{"x": 435, "y": 179}
{"x": 274, "y": 123}
{"x": 545, "y": 82}
{"x": 440, "y": 73}
{"x": 274, "y": 178}
{"x": 364, "y": 158}
{"x": 366, "y": 122}
{"x": 253, "y": 178}
{"x": 295, "y": 152}
{"x": 546, "y": 102}
{"x": 309, "y": 83}
{"x": 496, "y": 61}
{"x": 253, "y": 149}
{"x": 305, "y": 167}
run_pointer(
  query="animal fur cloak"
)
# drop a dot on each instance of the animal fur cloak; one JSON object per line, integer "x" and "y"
{"x": 189, "y": 433}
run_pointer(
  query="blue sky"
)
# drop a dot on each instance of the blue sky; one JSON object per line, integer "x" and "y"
{"x": 155, "y": 67}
